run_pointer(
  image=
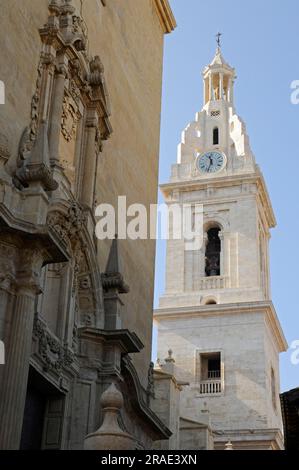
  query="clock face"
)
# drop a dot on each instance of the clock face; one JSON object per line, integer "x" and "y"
{"x": 210, "y": 162}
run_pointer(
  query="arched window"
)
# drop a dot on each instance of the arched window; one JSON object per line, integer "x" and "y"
{"x": 213, "y": 250}
{"x": 215, "y": 136}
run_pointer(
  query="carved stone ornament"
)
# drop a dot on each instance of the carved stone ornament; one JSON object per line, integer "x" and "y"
{"x": 150, "y": 381}
{"x": 8, "y": 257}
{"x": 53, "y": 354}
{"x": 69, "y": 229}
{"x": 33, "y": 162}
{"x": 4, "y": 147}
{"x": 70, "y": 119}
{"x": 64, "y": 52}
{"x": 68, "y": 226}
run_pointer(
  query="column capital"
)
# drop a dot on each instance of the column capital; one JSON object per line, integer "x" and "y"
{"x": 8, "y": 261}
{"x": 28, "y": 272}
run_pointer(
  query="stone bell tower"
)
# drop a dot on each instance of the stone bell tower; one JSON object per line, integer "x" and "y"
{"x": 216, "y": 313}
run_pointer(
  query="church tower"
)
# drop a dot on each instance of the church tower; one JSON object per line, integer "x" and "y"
{"x": 216, "y": 314}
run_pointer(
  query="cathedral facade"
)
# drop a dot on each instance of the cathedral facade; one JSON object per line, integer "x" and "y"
{"x": 75, "y": 323}
{"x": 217, "y": 326}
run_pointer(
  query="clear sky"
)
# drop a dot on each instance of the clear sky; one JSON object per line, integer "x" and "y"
{"x": 260, "y": 39}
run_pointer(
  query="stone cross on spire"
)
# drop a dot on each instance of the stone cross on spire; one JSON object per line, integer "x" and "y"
{"x": 218, "y": 39}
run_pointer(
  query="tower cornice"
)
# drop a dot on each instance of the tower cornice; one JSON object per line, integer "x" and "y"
{"x": 257, "y": 307}
{"x": 228, "y": 181}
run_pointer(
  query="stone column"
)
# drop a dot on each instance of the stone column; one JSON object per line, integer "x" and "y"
{"x": 15, "y": 376}
{"x": 210, "y": 87}
{"x": 225, "y": 247}
{"x": 203, "y": 250}
{"x": 231, "y": 90}
{"x": 90, "y": 160}
{"x": 55, "y": 118}
{"x": 4, "y": 296}
{"x": 220, "y": 86}
{"x": 222, "y": 254}
{"x": 8, "y": 258}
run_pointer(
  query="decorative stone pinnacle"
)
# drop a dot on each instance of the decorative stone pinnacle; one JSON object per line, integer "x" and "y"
{"x": 112, "y": 398}
{"x": 113, "y": 278}
{"x": 110, "y": 436}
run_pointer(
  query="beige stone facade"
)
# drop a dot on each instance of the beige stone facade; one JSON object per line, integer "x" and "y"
{"x": 80, "y": 126}
{"x": 216, "y": 313}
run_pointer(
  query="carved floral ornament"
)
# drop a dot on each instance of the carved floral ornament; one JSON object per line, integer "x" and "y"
{"x": 69, "y": 228}
{"x": 70, "y": 119}
{"x": 4, "y": 147}
{"x": 64, "y": 63}
{"x": 54, "y": 355}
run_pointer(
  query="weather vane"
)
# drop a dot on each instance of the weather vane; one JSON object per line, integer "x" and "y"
{"x": 218, "y": 40}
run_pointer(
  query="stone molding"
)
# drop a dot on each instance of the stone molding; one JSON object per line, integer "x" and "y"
{"x": 244, "y": 439}
{"x": 266, "y": 307}
{"x": 165, "y": 15}
{"x": 229, "y": 181}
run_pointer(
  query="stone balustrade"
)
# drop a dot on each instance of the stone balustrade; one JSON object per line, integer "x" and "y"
{"x": 210, "y": 387}
{"x": 212, "y": 282}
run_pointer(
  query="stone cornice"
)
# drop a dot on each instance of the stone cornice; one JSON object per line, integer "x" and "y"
{"x": 128, "y": 340}
{"x": 247, "y": 437}
{"x": 221, "y": 182}
{"x": 165, "y": 15}
{"x": 266, "y": 307}
{"x": 190, "y": 424}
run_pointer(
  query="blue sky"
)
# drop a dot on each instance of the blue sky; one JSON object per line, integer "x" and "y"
{"x": 260, "y": 40}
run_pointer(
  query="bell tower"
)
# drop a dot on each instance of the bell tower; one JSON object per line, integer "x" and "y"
{"x": 216, "y": 313}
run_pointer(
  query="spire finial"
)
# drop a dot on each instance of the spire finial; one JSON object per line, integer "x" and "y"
{"x": 218, "y": 39}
